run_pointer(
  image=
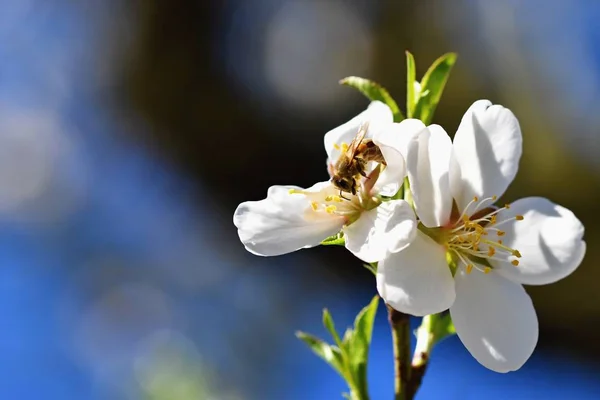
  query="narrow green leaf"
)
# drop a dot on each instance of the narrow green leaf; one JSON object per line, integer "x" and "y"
{"x": 360, "y": 342}
{"x": 330, "y": 354}
{"x": 371, "y": 267}
{"x": 432, "y": 87}
{"x": 374, "y": 91}
{"x": 411, "y": 77}
{"x": 330, "y": 326}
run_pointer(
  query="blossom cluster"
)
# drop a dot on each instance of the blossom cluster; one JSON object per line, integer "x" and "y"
{"x": 428, "y": 217}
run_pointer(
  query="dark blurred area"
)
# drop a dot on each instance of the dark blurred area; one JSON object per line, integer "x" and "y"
{"x": 130, "y": 131}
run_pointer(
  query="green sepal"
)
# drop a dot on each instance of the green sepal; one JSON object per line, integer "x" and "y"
{"x": 335, "y": 240}
{"x": 432, "y": 86}
{"x": 442, "y": 327}
{"x": 374, "y": 91}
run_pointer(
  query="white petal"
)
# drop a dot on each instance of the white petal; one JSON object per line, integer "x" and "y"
{"x": 392, "y": 177}
{"x": 487, "y": 150}
{"x": 388, "y": 228}
{"x": 549, "y": 239}
{"x": 399, "y": 135}
{"x": 495, "y": 320}
{"x": 279, "y": 223}
{"x": 377, "y": 114}
{"x": 427, "y": 163}
{"x": 417, "y": 280}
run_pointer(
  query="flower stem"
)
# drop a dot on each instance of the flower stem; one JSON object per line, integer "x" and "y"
{"x": 399, "y": 322}
{"x": 425, "y": 342}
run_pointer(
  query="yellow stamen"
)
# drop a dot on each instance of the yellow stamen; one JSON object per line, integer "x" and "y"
{"x": 336, "y": 146}
{"x": 493, "y": 219}
{"x": 487, "y": 270}
{"x": 330, "y": 209}
{"x": 491, "y": 251}
{"x": 314, "y": 205}
{"x": 519, "y": 217}
{"x": 494, "y": 197}
{"x": 475, "y": 199}
{"x": 469, "y": 268}
{"x": 507, "y": 206}
{"x": 515, "y": 262}
{"x": 500, "y": 241}
{"x": 516, "y": 253}
{"x": 344, "y": 147}
{"x": 501, "y": 233}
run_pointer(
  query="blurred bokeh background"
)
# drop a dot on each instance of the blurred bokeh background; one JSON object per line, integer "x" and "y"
{"x": 130, "y": 131}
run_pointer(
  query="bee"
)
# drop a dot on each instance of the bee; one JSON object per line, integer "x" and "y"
{"x": 352, "y": 164}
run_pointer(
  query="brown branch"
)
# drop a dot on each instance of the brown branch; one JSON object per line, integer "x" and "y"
{"x": 400, "y": 324}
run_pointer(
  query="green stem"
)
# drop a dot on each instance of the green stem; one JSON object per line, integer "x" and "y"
{"x": 399, "y": 323}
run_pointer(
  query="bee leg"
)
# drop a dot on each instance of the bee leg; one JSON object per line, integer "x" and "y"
{"x": 342, "y": 196}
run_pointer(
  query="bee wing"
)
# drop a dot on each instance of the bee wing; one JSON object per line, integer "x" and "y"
{"x": 353, "y": 147}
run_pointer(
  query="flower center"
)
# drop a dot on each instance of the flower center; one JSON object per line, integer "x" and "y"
{"x": 333, "y": 204}
{"x": 476, "y": 239}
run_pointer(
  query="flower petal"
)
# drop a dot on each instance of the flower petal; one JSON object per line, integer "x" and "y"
{"x": 388, "y": 228}
{"x": 398, "y": 135}
{"x": 279, "y": 223}
{"x": 549, "y": 239}
{"x": 487, "y": 150}
{"x": 427, "y": 163}
{"x": 392, "y": 176}
{"x": 417, "y": 280}
{"x": 377, "y": 114}
{"x": 495, "y": 320}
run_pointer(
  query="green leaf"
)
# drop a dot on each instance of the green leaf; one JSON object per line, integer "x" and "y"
{"x": 432, "y": 86}
{"x": 330, "y": 326}
{"x": 411, "y": 78}
{"x": 360, "y": 342}
{"x": 331, "y": 354}
{"x": 335, "y": 240}
{"x": 374, "y": 91}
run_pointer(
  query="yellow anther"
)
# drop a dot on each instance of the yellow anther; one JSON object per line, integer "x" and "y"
{"x": 516, "y": 253}
{"x": 501, "y": 233}
{"x": 336, "y": 146}
{"x": 292, "y": 191}
{"x": 493, "y": 219}
{"x": 314, "y": 205}
{"x": 487, "y": 270}
{"x": 465, "y": 219}
{"x": 519, "y": 217}
{"x": 507, "y": 206}
{"x": 337, "y": 199}
{"x": 499, "y": 241}
{"x": 469, "y": 268}
{"x": 491, "y": 251}
{"x": 494, "y": 197}
{"x": 330, "y": 209}
{"x": 344, "y": 147}
{"x": 475, "y": 199}
{"x": 515, "y": 262}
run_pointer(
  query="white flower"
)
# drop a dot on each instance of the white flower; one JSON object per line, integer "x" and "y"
{"x": 291, "y": 218}
{"x": 496, "y": 250}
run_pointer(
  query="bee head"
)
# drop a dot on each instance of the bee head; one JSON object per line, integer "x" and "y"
{"x": 344, "y": 184}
